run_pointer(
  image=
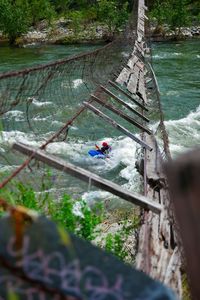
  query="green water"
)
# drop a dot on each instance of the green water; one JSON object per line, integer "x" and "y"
{"x": 177, "y": 67}
{"x": 18, "y": 58}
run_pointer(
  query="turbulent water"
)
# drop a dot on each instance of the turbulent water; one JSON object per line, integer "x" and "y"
{"x": 177, "y": 69}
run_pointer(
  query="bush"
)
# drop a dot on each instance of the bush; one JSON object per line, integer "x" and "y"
{"x": 83, "y": 224}
{"x": 112, "y": 14}
{"x": 14, "y": 18}
{"x": 174, "y": 13}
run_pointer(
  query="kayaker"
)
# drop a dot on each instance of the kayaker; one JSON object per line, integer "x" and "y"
{"x": 104, "y": 149}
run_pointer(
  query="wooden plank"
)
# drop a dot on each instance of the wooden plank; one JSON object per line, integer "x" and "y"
{"x": 139, "y": 48}
{"x": 121, "y": 114}
{"x": 116, "y": 125}
{"x": 124, "y": 104}
{"x": 184, "y": 182}
{"x": 123, "y": 76}
{"x": 141, "y": 97}
{"x": 133, "y": 80}
{"x": 140, "y": 37}
{"x": 153, "y": 166}
{"x": 127, "y": 95}
{"x": 141, "y": 87}
{"x": 132, "y": 61}
{"x": 87, "y": 176}
{"x": 140, "y": 65}
{"x": 132, "y": 83}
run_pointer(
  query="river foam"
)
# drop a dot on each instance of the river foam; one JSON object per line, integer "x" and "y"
{"x": 184, "y": 133}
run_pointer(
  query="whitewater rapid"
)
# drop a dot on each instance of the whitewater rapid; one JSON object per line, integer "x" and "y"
{"x": 184, "y": 134}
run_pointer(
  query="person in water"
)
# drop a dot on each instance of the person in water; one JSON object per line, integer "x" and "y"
{"x": 105, "y": 149}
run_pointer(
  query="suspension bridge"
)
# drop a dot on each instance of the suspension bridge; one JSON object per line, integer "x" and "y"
{"x": 118, "y": 90}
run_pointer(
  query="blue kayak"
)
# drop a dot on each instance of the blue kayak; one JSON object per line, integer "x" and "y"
{"x": 96, "y": 154}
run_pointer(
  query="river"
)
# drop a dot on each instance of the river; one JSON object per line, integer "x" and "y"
{"x": 177, "y": 69}
{"x": 177, "y": 66}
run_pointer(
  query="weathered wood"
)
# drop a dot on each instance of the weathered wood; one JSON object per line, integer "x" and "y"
{"x": 124, "y": 75}
{"x": 140, "y": 65}
{"x": 154, "y": 159}
{"x": 132, "y": 61}
{"x": 86, "y": 176}
{"x": 116, "y": 125}
{"x": 121, "y": 114}
{"x": 141, "y": 87}
{"x": 141, "y": 96}
{"x": 184, "y": 182}
{"x": 133, "y": 80}
{"x": 158, "y": 253}
{"x": 139, "y": 48}
{"x": 127, "y": 95}
{"x": 124, "y": 103}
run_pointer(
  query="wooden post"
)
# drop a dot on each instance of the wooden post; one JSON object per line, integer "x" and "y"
{"x": 121, "y": 114}
{"x": 184, "y": 183}
{"x": 86, "y": 176}
{"x": 124, "y": 103}
{"x": 116, "y": 125}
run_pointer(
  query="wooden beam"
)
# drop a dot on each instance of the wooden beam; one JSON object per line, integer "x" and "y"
{"x": 121, "y": 114}
{"x": 124, "y": 103}
{"x": 133, "y": 80}
{"x": 116, "y": 125}
{"x": 124, "y": 75}
{"x": 184, "y": 183}
{"x": 132, "y": 61}
{"x": 127, "y": 95}
{"x": 87, "y": 176}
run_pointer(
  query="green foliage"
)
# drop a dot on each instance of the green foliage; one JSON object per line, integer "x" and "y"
{"x": 64, "y": 213}
{"x": 26, "y": 197}
{"x": 179, "y": 15}
{"x": 160, "y": 11}
{"x": 115, "y": 242}
{"x": 186, "y": 290}
{"x": 61, "y": 6}
{"x": 91, "y": 219}
{"x": 174, "y": 13}
{"x": 84, "y": 224}
{"x": 80, "y": 18}
{"x": 39, "y": 10}
{"x": 113, "y": 14}
{"x": 14, "y": 18}
{"x": 17, "y": 16}
{"x": 77, "y": 19}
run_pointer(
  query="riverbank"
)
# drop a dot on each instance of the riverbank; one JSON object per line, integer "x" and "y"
{"x": 62, "y": 33}
{"x": 163, "y": 33}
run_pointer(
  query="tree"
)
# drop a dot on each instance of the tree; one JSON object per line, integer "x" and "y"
{"x": 61, "y": 6}
{"x": 179, "y": 15}
{"x": 39, "y": 10}
{"x": 174, "y": 13}
{"x": 14, "y": 18}
{"x": 112, "y": 13}
{"x": 160, "y": 11}
{"x": 17, "y": 16}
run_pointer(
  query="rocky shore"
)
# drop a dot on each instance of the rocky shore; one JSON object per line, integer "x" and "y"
{"x": 165, "y": 34}
{"x": 61, "y": 32}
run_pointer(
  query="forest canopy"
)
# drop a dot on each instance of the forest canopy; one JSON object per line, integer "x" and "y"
{"x": 17, "y": 16}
